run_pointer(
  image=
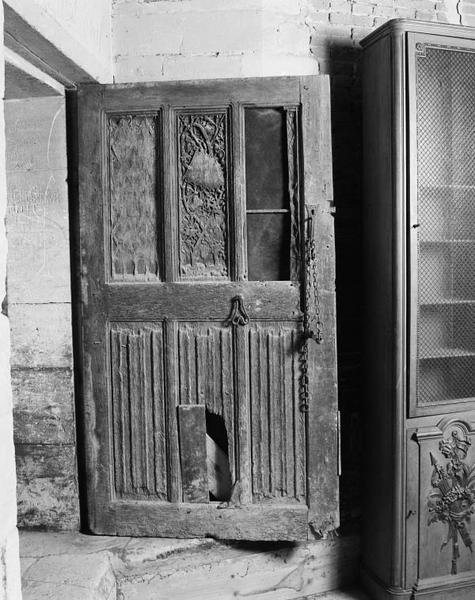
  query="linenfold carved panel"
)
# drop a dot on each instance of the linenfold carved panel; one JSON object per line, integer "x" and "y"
{"x": 278, "y": 426}
{"x": 138, "y": 410}
{"x": 133, "y": 172}
{"x": 203, "y": 195}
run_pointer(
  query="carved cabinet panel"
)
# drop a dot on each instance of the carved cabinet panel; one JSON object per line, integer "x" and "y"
{"x": 209, "y": 409}
{"x": 419, "y": 126}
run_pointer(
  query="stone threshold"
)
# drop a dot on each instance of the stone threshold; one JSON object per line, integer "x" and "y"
{"x": 72, "y": 566}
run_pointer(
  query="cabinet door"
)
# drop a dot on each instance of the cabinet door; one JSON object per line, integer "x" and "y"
{"x": 442, "y": 223}
{"x": 192, "y": 221}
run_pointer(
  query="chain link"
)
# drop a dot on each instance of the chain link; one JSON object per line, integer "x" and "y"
{"x": 312, "y": 323}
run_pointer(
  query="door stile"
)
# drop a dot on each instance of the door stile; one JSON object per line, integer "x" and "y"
{"x": 94, "y": 327}
{"x": 171, "y": 394}
{"x": 322, "y": 423}
{"x": 170, "y": 195}
{"x": 241, "y": 386}
{"x": 238, "y": 222}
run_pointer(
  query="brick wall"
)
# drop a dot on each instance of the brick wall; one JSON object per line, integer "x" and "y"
{"x": 182, "y": 39}
{"x": 39, "y": 308}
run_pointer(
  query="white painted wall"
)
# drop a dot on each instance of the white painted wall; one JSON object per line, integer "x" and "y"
{"x": 80, "y": 29}
{"x": 185, "y": 39}
{"x": 9, "y": 554}
{"x": 210, "y": 38}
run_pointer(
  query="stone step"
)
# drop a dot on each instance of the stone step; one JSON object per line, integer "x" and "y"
{"x": 78, "y": 567}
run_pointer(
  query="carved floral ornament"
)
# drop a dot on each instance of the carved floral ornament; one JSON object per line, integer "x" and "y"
{"x": 452, "y": 499}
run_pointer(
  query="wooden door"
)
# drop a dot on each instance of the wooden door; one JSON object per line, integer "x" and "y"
{"x": 193, "y": 215}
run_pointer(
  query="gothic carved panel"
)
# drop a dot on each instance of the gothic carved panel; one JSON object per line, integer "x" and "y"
{"x": 133, "y": 173}
{"x": 138, "y": 410}
{"x": 203, "y": 195}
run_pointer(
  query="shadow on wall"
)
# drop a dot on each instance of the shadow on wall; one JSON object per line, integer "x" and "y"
{"x": 342, "y": 62}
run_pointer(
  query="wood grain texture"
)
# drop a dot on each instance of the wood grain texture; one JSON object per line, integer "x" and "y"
{"x": 138, "y": 410}
{"x": 134, "y": 188}
{"x": 322, "y": 417}
{"x": 194, "y": 471}
{"x": 283, "y": 522}
{"x": 277, "y": 425}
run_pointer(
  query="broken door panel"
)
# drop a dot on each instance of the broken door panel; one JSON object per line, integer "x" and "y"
{"x": 206, "y": 366}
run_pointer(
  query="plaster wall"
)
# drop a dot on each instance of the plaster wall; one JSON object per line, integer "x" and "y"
{"x": 9, "y": 553}
{"x": 79, "y": 29}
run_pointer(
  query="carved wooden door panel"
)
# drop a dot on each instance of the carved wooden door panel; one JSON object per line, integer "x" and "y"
{"x": 192, "y": 221}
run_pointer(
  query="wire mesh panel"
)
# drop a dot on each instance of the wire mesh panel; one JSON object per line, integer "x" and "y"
{"x": 446, "y": 216}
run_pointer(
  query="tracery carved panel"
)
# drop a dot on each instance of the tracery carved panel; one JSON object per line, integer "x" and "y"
{"x": 203, "y": 195}
{"x": 133, "y": 172}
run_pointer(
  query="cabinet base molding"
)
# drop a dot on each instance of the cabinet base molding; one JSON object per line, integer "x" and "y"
{"x": 377, "y": 590}
{"x": 449, "y": 587}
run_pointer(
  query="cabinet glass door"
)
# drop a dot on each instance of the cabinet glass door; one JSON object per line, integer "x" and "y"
{"x": 442, "y": 225}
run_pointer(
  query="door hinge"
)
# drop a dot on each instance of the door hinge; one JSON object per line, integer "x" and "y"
{"x": 338, "y": 433}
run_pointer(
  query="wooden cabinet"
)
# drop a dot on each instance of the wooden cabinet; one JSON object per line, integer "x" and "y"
{"x": 419, "y": 155}
{"x": 207, "y": 258}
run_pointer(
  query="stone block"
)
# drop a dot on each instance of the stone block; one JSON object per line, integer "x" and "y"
{"x": 232, "y": 32}
{"x": 38, "y": 237}
{"x": 41, "y": 335}
{"x": 267, "y": 65}
{"x": 34, "y": 544}
{"x": 35, "y": 131}
{"x": 37, "y": 590}
{"x": 7, "y": 469}
{"x": 130, "y": 68}
{"x": 86, "y": 570}
{"x": 150, "y": 34}
{"x": 351, "y": 19}
{"x": 290, "y": 37}
{"x": 47, "y": 493}
{"x": 43, "y": 406}
{"x": 206, "y": 67}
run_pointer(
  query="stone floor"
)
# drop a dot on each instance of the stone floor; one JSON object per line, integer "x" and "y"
{"x": 59, "y": 566}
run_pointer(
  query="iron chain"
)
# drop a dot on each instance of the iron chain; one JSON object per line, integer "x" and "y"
{"x": 312, "y": 323}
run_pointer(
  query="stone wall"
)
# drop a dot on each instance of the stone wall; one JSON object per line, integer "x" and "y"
{"x": 183, "y": 39}
{"x": 39, "y": 307}
{"x": 9, "y": 554}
